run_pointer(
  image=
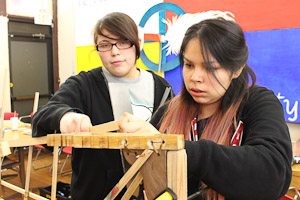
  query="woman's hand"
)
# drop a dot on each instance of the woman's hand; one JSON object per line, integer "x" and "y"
{"x": 75, "y": 122}
{"x": 131, "y": 124}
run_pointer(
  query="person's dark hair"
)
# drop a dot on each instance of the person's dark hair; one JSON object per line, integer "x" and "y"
{"x": 119, "y": 24}
{"x": 224, "y": 40}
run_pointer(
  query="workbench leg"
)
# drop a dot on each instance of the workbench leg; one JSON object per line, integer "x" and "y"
{"x": 177, "y": 173}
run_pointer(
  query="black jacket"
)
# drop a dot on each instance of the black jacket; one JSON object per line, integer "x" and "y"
{"x": 94, "y": 172}
{"x": 260, "y": 168}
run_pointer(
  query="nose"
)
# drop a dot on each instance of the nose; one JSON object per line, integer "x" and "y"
{"x": 114, "y": 49}
{"x": 197, "y": 74}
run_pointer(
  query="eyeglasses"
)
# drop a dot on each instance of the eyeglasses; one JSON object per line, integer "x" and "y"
{"x": 106, "y": 46}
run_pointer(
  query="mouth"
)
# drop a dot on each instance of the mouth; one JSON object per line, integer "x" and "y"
{"x": 118, "y": 62}
{"x": 196, "y": 92}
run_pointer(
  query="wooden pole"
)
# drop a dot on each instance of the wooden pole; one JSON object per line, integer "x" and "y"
{"x": 29, "y": 160}
{"x": 54, "y": 173}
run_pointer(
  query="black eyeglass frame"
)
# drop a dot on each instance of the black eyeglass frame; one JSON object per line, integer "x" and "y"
{"x": 116, "y": 44}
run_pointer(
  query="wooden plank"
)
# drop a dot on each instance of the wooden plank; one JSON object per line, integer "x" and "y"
{"x": 118, "y": 141}
{"x": 106, "y": 127}
{"x": 177, "y": 173}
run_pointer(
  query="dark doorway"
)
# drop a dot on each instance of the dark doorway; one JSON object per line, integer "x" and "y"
{"x": 31, "y": 64}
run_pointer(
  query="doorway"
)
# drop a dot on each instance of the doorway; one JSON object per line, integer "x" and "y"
{"x": 31, "y": 64}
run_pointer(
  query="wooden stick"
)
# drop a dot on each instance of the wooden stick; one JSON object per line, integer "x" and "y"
{"x": 28, "y": 170}
{"x": 54, "y": 173}
{"x": 129, "y": 174}
{"x": 29, "y": 160}
{"x": 133, "y": 186}
{"x": 22, "y": 191}
{"x": 106, "y": 127}
{"x": 35, "y": 102}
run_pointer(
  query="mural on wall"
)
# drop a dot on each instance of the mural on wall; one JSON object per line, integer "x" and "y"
{"x": 272, "y": 31}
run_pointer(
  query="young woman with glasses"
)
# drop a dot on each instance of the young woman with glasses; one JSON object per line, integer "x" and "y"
{"x": 102, "y": 95}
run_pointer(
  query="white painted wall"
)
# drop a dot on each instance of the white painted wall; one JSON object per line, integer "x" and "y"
{"x": 66, "y": 39}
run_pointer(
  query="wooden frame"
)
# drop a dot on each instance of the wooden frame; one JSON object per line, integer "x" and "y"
{"x": 149, "y": 144}
{"x": 172, "y": 145}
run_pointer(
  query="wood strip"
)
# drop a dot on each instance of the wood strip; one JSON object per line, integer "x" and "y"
{"x": 177, "y": 173}
{"x": 54, "y": 173}
{"x": 28, "y": 170}
{"x": 133, "y": 186}
{"x": 129, "y": 174}
{"x": 106, "y": 127}
{"x": 118, "y": 141}
{"x": 29, "y": 160}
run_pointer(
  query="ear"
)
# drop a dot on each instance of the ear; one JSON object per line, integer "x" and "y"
{"x": 141, "y": 37}
{"x": 238, "y": 72}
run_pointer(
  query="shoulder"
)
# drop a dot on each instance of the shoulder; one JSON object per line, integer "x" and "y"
{"x": 261, "y": 102}
{"x": 94, "y": 74}
{"x": 261, "y": 94}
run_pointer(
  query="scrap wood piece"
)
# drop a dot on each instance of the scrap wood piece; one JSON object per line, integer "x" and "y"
{"x": 118, "y": 141}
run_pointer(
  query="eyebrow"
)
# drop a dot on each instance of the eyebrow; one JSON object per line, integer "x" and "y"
{"x": 185, "y": 58}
